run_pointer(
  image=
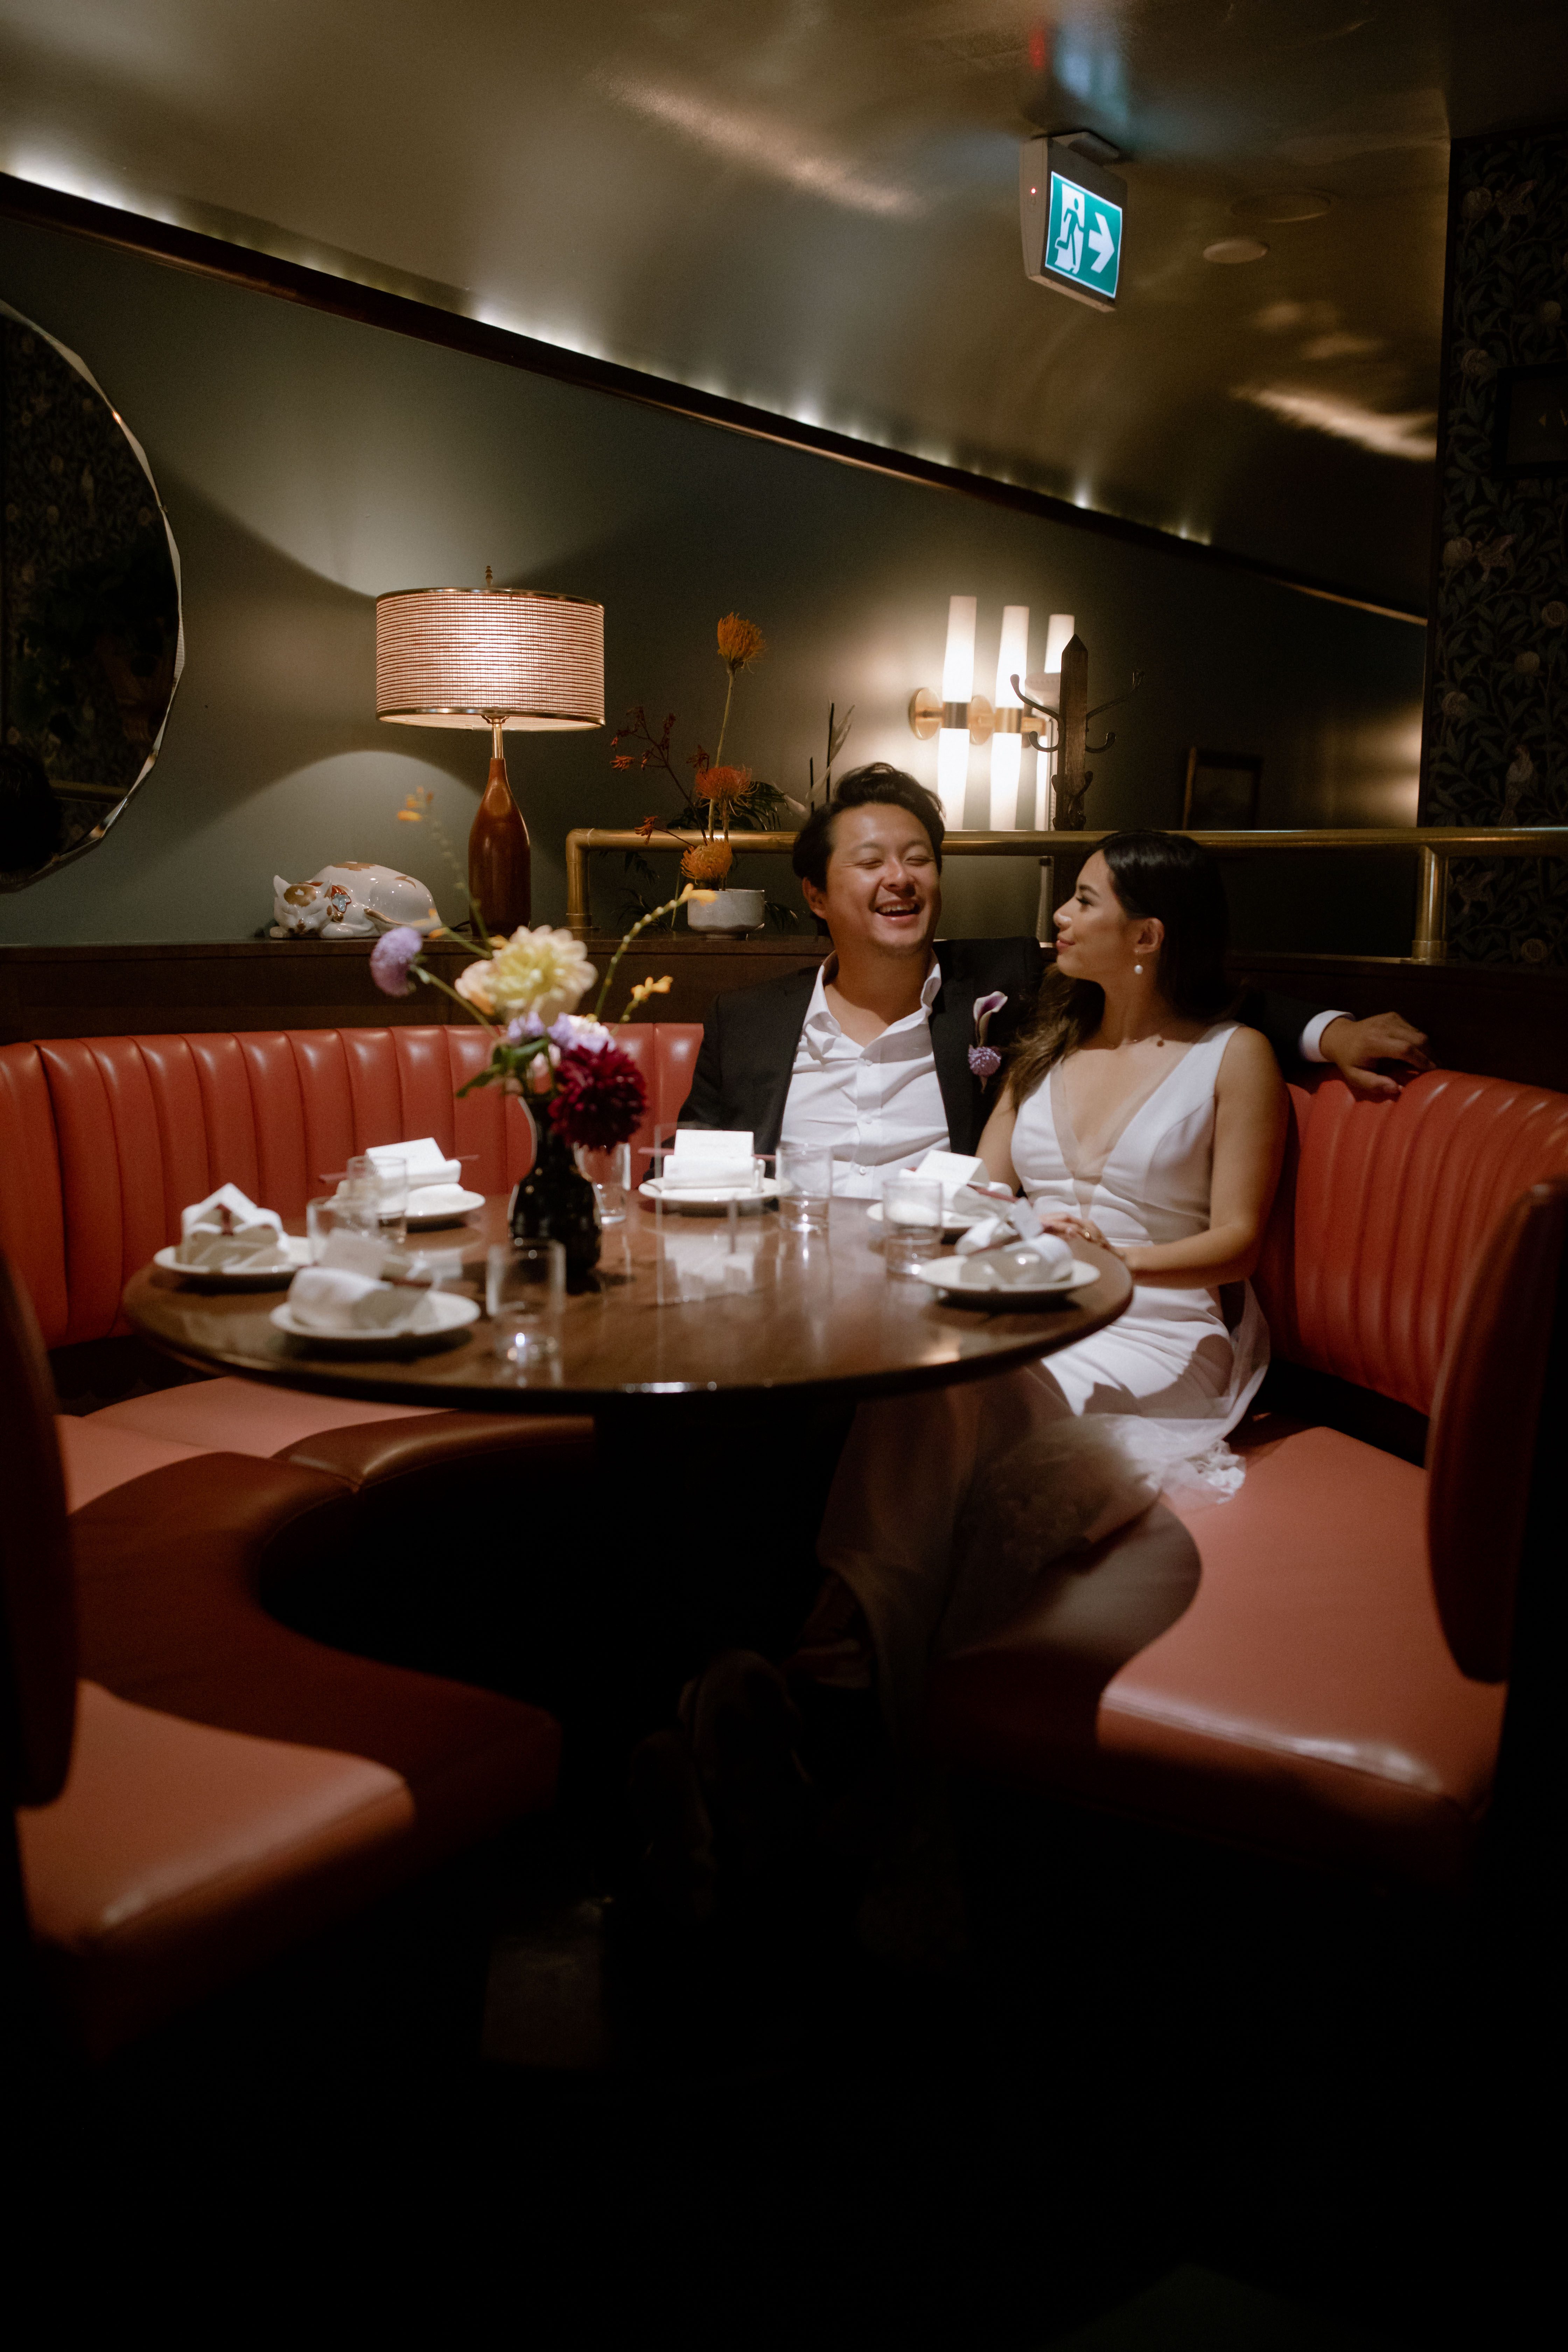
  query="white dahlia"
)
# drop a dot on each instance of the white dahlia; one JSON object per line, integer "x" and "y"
{"x": 541, "y": 972}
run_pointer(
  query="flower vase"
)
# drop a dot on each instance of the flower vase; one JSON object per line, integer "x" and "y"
{"x": 555, "y": 1203}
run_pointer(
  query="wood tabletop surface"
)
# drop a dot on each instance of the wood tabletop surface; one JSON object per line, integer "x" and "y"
{"x": 791, "y": 1318}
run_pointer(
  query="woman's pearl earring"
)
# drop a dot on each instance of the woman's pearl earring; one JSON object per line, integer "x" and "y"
{"x": 1139, "y": 969}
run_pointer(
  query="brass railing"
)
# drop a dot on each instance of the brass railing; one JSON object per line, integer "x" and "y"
{"x": 1434, "y": 846}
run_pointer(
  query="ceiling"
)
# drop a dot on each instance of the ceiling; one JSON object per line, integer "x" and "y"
{"x": 811, "y": 206}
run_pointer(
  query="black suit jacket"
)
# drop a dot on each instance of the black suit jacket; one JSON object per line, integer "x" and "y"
{"x": 749, "y": 1039}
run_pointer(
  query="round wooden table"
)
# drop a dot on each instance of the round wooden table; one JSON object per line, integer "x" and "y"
{"x": 722, "y": 1391}
{"x": 785, "y": 1319}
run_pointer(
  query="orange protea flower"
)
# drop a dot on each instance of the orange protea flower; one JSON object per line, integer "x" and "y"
{"x": 721, "y": 783}
{"x": 740, "y": 643}
{"x": 708, "y": 861}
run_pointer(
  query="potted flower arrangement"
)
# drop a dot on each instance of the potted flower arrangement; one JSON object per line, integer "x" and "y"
{"x": 720, "y": 795}
{"x": 579, "y": 1090}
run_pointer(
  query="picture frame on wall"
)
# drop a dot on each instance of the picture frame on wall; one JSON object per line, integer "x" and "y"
{"x": 1529, "y": 432}
{"x": 1222, "y": 791}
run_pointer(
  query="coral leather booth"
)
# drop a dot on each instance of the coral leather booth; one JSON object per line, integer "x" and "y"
{"x": 201, "y": 1786}
{"x": 1323, "y": 1661}
{"x": 104, "y": 1140}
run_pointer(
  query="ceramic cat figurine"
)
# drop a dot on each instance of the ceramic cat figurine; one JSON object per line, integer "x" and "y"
{"x": 341, "y": 902}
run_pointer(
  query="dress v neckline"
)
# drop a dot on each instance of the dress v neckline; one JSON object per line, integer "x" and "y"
{"x": 1085, "y": 1164}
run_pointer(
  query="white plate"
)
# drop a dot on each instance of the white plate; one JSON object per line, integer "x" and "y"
{"x": 240, "y": 1277}
{"x": 952, "y": 1277}
{"x": 452, "y": 1312}
{"x": 955, "y": 1221}
{"x": 419, "y": 1225}
{"x": 691, "y": 1196}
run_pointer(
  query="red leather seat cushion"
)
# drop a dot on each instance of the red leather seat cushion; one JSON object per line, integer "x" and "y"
{"x": 365, "y": 1444}
{"x": 1306, "y": 1702}
{"x": 95, "y": 1457}
{"x": 168, "y": 1569}
{"x": 178, "y": 1856}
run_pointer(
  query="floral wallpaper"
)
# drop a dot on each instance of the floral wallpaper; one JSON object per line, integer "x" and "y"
{"x": 1497, "y": 721}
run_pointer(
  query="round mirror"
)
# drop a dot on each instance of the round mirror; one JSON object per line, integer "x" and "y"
{"x": 90, "y": 642}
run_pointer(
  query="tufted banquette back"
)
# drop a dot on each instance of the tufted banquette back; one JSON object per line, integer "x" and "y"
{"x": 104, "y": 1141}
{"x": 1382, "y": 1215}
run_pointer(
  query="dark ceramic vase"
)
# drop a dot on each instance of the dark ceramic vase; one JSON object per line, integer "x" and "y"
{"x": 555, "y": 1203}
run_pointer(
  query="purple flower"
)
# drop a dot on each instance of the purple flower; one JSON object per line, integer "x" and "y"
{"x": 526, "y": 1025}
{"x": 391, "y": 957}
{"x": 984, "y": 1061}
{"x": 580, "y": 1032}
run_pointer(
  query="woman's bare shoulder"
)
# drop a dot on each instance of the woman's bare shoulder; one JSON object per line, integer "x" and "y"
{"x": 1248, "y": 1062}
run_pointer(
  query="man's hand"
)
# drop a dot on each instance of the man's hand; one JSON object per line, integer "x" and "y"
{"x": 1352, "y": 1046}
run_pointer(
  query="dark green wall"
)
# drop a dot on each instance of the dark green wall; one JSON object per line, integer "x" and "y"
{"x": 308, "y": 463}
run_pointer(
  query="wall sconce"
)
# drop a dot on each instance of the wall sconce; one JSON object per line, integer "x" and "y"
{"x": 492, "y": 658}
{"x": 958, "y": 717}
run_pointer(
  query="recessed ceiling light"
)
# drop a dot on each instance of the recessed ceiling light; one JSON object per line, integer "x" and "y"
{"x": 1236, "y": 249}
{"x": 1285, "y": 204}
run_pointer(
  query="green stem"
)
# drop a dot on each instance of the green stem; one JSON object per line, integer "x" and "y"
{"x": 723, "y": 723}
{"x": 471, "y": 1010}
{"x": 651, "y": 917}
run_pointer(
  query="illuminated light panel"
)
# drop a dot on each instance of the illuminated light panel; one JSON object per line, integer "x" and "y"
{"x": 1006, "y": 748}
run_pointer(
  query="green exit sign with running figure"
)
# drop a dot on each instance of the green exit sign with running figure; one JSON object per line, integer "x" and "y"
{"x": 1071, "y": 213}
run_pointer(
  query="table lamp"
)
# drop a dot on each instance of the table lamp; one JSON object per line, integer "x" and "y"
{"x": 495, "y": 657}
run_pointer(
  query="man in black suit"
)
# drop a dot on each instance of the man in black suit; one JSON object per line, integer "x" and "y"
{"x": 875, "y": 1054}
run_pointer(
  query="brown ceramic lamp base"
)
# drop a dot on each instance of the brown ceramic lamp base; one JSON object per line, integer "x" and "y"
{"x": 499, "y": 860}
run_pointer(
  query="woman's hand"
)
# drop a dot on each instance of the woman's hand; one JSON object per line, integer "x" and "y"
{"x": 1073, "y": 1227}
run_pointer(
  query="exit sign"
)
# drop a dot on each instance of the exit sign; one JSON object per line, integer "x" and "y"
{"x": 1071, "y": 213}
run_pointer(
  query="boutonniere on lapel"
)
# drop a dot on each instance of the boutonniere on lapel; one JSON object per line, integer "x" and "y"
{"x": 983, "y": 1059}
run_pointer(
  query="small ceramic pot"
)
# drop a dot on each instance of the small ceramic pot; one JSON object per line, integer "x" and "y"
{"x": 729, "y": 912}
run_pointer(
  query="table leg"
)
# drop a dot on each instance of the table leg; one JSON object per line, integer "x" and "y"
{"x": 699, "y": 1535}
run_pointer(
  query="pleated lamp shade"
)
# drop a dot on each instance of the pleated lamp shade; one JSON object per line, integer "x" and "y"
{"x": 470, "y": 656}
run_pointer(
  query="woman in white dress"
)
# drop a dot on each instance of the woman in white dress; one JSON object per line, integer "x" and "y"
{"x": 1132, "y": 1117}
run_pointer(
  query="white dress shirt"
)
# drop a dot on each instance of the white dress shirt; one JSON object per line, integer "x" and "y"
{"x": 878, "y": 1107}
{"x": 1310, "y": 1044}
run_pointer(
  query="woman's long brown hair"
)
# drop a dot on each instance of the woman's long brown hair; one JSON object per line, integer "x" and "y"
{"x": 1158, "y": 874}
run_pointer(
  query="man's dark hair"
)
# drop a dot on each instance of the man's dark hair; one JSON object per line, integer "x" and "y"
{"x": 876, "y": 785}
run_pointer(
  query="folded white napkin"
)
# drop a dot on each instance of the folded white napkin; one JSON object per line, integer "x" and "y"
{"x": 426, "y": 1162}
{"x": 438, "y": 1201}
{"x": 1048, "y": 1259}
{"x": 332, "y": 1300}
{"x": 952, "y": 1170}
{"x": 227, "y": 1229}
{"x": 707, "y": 1157}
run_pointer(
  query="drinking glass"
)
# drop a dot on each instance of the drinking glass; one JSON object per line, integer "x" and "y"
{"x": 610, "y": 1174}
{"x": 525, "y": 1293}
{"x": 805, "y": 1185}
{"x": 912, "y": 1220}
{"x": 375, "y": 1192}
{"x": 327, "y": 1216}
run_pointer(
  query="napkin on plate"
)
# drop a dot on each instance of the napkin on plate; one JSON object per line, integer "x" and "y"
{"x": 426, "y": 1162}
{"x": 952, "y": 1171}
{"x": 227, "y": 1230}
{"x": 1044, "y": 1258}
{"x": 343, "y": 1293}
{"x": 438, "y": 1201}
{"x": 707, "y": 1157}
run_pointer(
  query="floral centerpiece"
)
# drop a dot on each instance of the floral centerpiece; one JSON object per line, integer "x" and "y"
{"x": 581, "y": 1092}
